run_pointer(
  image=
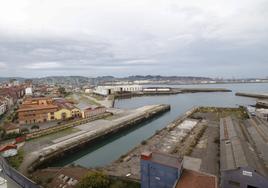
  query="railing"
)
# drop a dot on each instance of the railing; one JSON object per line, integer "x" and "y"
{"x": 20, "y": 179}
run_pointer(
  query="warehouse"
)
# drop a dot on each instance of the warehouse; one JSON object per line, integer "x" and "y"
{"x": 107, "y": 90}
{"x": 239, "y": 164}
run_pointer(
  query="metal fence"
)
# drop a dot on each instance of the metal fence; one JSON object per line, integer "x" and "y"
{"x": 20, "y": 179}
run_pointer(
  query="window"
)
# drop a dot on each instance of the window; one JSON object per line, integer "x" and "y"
{"x": 234, "y": 183}
{"x": 250, "y": 186}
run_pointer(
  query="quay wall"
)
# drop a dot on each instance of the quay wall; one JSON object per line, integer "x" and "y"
{"x": 171, "y": 125}
{"x": 59, "y": 150}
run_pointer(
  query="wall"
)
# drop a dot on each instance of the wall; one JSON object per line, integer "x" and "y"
{"x": 156, "y": 175}
{"x": 58, "y": 114}
{"x": 2, "y": 109}
{"x": 249, "y": 177}
{"x": 93, "y": 112}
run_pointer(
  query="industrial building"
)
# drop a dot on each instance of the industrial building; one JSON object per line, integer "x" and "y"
{"x": 239, "y": 164}
{"x": 156, "y": 89}
{"x": 159, "y": 170}
{"x": 107, "y": 90}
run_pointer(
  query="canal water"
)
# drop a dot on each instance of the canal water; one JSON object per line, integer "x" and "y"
{"x": 111, "y": 149}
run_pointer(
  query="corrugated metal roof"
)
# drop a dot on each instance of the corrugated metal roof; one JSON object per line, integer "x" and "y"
{"x": 235, "y": 151}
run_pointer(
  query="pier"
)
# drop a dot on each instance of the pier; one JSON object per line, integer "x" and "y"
{"x": 89, "y": 133}
{"x": 183, "y": 131}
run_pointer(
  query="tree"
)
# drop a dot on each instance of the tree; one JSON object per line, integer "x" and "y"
{"x": 35, "y": 127}
{"x": 62, "y": 90}
{"x": 94, "y": 180}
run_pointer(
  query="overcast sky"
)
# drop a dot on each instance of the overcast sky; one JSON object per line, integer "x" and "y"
{"x": 216, "y": 38}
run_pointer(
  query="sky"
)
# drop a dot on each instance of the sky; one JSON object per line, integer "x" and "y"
{"x": 223, "y": 38}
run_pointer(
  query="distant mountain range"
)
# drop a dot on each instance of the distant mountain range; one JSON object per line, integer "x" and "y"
{"x": 82, "y": 80}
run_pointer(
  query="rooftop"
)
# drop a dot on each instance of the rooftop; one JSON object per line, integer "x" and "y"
{"x": 236, "y": 151}
{"x": 36, "y": 107}
{"x": 11, "y": 126}
{"x": 163, "y": 159}
{"x": 194, "y": 179}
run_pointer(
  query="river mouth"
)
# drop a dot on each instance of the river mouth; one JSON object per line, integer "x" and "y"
{"x": 110, "y": 149}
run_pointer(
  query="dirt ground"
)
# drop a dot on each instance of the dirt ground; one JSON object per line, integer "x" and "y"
{"x": 207, "y": 149}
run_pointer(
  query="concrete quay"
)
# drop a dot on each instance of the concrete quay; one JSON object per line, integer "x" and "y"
{"x": 89, "y": 133}
{"x": 181, "y": 132}
{"x": 253, "y": 95}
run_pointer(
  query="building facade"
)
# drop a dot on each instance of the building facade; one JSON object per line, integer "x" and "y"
{"x": 36, "y": 110}
{"x": 93, "y": 111}
{"x": 107, "y": 90}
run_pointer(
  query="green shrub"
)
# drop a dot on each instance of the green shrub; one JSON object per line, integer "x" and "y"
{"x": 94, "y": 180}
{"x": 16, "y": 160}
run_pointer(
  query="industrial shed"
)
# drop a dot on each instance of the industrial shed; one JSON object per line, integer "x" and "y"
{"x": 239, "y": 164}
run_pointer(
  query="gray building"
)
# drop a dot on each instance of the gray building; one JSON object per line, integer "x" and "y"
{"x": 239, "y": 163}
{"x": 159, "y": 170}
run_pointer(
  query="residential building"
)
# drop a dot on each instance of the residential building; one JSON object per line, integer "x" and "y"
{"x": 239, "y": 164}
{"x": 11, "y": 128}
{"x": 66, "y": 110}
{"x": 36, "y": 110}
{"x": 15, "y": 92}
{"x": 3, "y": 108}
{"x": 29, "y": 91}
{"x": 92, "y": 111}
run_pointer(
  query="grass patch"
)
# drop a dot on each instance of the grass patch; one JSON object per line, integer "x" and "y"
{"x": 240, "y": 113}
{"x": 16, "y": 160}
{"x": 72, "y": 98}
{"x": 117, "y": 183}
{"x": 89, "y": 101}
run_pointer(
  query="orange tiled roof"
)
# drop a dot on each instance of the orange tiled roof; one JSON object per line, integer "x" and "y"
{"x": 11, "y": 126}
{"x": 36, "y": 107}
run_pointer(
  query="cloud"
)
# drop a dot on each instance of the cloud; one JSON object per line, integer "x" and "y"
{"x": 3, "y": 65}
{"x": 97, "y": 37}
{"x": 44, "y": 65}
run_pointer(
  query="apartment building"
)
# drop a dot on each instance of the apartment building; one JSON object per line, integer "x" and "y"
{"x": 36, "y": 110}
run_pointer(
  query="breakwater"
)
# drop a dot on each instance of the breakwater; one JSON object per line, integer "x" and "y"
{"x": 170, "y": 91}
{"x": 253, "y": 95}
